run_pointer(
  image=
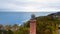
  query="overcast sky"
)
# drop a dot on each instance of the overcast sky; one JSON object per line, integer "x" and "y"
{"x": 30, "y": 5}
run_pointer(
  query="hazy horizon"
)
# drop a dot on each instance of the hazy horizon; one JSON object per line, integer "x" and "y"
{"x": 18, "y": 17}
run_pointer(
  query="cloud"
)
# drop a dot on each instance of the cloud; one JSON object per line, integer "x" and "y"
{"x": 30, "y": 5}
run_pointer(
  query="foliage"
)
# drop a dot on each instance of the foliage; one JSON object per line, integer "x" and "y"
{"x": 45, "y": 25}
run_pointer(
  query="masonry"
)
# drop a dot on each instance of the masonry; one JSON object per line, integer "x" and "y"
{"x": 32, "y": 24}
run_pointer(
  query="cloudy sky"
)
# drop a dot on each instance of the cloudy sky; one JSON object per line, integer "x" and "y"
{"x": 30, "y": 5}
